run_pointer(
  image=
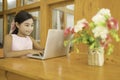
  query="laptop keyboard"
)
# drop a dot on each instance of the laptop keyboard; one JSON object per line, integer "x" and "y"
{"x": 40, "y": 54}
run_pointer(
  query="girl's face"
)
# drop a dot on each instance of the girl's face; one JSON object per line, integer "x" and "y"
{"x": 25, "y": 28}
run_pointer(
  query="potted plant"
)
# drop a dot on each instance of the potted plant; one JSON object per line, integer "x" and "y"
{"x": 97, "y": 34}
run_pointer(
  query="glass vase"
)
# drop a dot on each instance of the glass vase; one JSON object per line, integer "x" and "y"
{"x": 96, "y": 56}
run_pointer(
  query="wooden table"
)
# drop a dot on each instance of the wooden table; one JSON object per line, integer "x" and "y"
{"x": 71, "y": 67}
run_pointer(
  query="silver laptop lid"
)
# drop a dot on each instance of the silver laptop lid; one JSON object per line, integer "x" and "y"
{"x": 55, "y": 44}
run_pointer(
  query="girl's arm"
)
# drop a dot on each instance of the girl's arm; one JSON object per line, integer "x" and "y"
{"x": 36, "y": 45}
{"x": 8, "y": 49}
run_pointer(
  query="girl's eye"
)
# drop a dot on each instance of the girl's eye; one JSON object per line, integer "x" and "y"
{"x": 27, "y": 25}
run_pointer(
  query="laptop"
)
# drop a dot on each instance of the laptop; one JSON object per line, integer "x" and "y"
{"x": 54, "y": 45}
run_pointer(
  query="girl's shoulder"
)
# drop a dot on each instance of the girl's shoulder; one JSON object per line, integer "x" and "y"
{"x": 10, "y": 35}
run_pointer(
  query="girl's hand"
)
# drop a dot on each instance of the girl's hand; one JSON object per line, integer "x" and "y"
{"x": 36, "y": 51}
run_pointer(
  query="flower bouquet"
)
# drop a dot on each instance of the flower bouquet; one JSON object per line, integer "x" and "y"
{"x": 96, "y": 34}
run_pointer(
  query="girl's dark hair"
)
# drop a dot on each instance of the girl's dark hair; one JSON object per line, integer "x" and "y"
{"x": 21, "y": 17}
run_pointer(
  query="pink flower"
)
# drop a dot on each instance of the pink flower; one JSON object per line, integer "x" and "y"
{"x": 86, "y": 25}
{"x": 112, "y": 23}
{"x": 80, "y": 25}
{"x": 68, "y": 31}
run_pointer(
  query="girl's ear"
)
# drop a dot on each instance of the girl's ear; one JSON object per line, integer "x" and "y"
{"x": 17, "y": 24}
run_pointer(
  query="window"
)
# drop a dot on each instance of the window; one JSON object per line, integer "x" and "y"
{"x": 1, "y": 5}
{"x": 25, "y": 2}
{"x": 11, "y": 4}
{"x": 69, "y": 20}
{"x": 57, "y": 19}
{"x": 1, "y": 32}
{"x": 70, "y": 15}
{"x": 10, "y": 19}
{"x": 63, "y": 17}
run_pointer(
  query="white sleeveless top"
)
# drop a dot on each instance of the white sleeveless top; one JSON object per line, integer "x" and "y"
{"x": 21, "y": 43}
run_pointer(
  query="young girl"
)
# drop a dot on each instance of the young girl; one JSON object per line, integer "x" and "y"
{"x": 19, "y": 43}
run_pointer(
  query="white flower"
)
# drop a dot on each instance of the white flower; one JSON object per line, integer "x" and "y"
{"x": 97, "y": 19}
{"x": 80, "y": 24}
{"x": 104, "y": 12}
{"x": 101, "y": 32}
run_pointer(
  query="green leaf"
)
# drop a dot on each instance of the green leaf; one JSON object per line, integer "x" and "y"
{"x": 110, "y": 49}
{"x": 106, "y": 16}
{"x": 75, "y": 40}
{"x": 65, "y": 43}
{"x": 92, "y": 25}
{"x": 115, "y": 35}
